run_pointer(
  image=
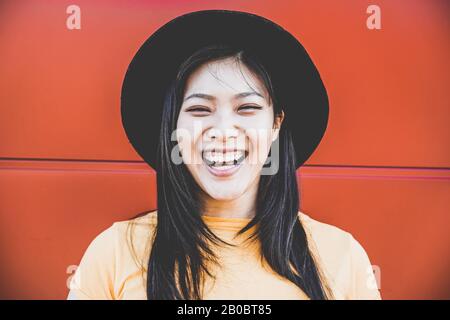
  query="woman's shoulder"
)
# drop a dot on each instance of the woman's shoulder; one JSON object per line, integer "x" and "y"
{"x": 136, "y": 233}
{"x": 325, "y": 233}
{"x": 344, "y": 260}
{"x": 116, "y": 251}
{"x": 118, "y": 230}
{"x": 135, "y": 228}
{"x": 333, "y": 244}
{"x": 145, "y": 219}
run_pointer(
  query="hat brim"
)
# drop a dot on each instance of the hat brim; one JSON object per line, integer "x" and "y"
{"x": 296, "y": 80}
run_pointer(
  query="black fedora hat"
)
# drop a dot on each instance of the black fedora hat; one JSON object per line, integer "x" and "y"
{"x": 297, "y": 82}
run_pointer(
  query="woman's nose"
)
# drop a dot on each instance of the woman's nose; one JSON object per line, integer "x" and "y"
{"x": 223, "y": 128}
{"x": 222, "y": 133}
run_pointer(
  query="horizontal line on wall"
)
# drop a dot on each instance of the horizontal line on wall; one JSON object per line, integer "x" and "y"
{"x": 372, "y": 172}
{"x": 115, "y": 171}
{"x": 306, "y": 171}
{"x": 143, "y": 162}
{"x": 70, "y": 160}
{"x": 374, "y": 167}
{"x": 376, "y": 177}
{"x": 53, "y": 165}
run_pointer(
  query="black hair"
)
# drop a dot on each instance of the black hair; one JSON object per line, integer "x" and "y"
{"x": 182, "y": 242}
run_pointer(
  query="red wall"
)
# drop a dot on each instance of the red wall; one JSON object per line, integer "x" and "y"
{"x": 381, "y": 172}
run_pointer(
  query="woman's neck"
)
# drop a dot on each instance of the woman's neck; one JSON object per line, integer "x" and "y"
{"x": 242, "y": 207}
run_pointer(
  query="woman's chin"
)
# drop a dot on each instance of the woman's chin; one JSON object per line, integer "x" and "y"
{"x": 223, "y": 191}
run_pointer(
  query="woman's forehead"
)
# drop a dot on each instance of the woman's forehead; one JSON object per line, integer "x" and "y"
{"x": 225, "y": 76}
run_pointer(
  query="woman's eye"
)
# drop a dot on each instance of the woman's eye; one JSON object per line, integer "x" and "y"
{"x": 250, "y": 107}
{"x": 198, "y": 109}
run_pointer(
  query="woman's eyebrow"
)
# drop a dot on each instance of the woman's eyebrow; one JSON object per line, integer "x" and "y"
{"x": 201, "y": 96}
{"x": 246, "y": 94}
{"x": 210, "y": 97}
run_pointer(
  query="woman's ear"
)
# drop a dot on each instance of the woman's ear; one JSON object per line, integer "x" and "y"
{"x": 277, "y": 125}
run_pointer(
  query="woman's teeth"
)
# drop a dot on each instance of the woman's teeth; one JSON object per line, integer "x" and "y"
{"x": 217, "y": 159}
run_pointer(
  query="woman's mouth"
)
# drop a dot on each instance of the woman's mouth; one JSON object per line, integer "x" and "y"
{"x": 224, "y": 164}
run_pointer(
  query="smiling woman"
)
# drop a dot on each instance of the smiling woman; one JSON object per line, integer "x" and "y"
{"x": 225, "y": 103}
{"x": 204, "y": 87}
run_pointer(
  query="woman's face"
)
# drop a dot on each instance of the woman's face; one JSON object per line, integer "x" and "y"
{"x": 225, "y": 128}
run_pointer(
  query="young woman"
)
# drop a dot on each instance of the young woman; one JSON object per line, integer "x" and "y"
{"x": 225, "y": 106}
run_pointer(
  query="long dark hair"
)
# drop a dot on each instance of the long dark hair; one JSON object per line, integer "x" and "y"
{"x": 181, "y": 243}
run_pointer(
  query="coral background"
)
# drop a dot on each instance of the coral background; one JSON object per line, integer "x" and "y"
{"x": 67, "y": 171}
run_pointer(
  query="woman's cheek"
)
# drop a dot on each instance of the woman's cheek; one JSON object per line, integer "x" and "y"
{"x": 186, "y": 142}
{"x": 260, "y": 144}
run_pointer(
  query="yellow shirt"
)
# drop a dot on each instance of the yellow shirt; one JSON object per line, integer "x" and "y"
{"x": 110, "y": 270}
